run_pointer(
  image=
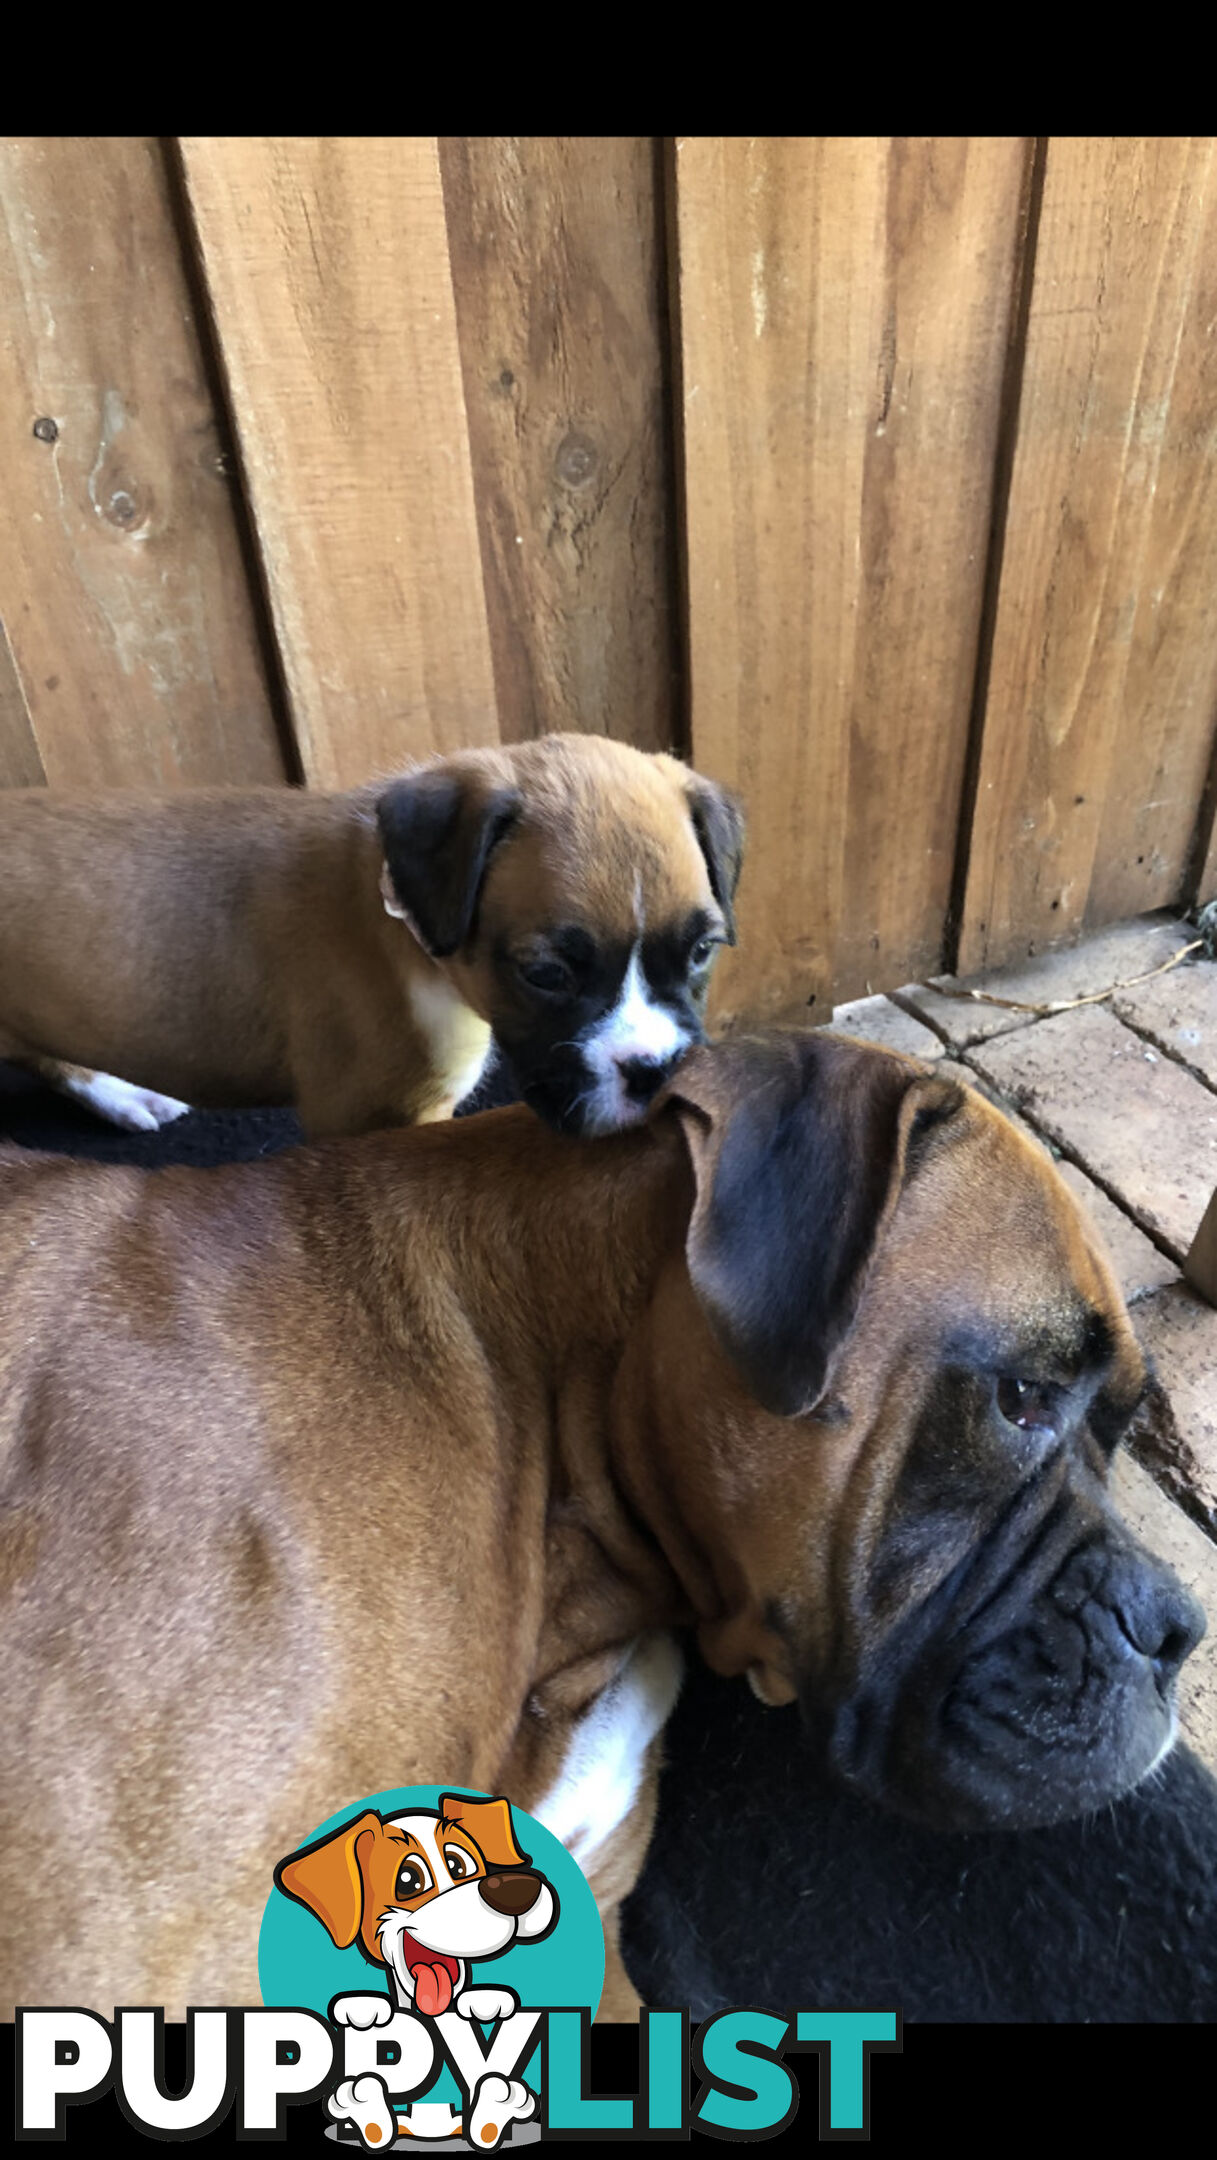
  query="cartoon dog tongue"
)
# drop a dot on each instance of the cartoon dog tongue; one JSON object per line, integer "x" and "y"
{"x": 432, "y": 1985}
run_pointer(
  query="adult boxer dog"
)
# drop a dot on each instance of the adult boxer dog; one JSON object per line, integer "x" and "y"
{"x": 352, "y": 953}
{"x": 390, "y": 1460}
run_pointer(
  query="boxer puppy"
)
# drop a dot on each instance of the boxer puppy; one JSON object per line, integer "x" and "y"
{"x": 392, "y": 1460}
{"x": 351, "y": 954}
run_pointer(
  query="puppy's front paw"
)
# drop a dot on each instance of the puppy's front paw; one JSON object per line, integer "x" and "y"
{"x": 364, "y": 2101}
{"x": 361, "y": 2011}
{"x": 487, "y": 2005}
{"x": 497, "y": 2103}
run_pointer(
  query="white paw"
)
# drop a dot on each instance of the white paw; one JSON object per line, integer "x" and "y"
{"x": 487, "y": 2005}
{"x": 365, "y": 2102}
{"x": 497, "y": 2102}
{"x": 136, "y": 1109}
{"x": 361, "y": 2011}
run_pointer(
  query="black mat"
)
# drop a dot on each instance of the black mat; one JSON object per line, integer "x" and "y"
{"x": 765, "y": 1885}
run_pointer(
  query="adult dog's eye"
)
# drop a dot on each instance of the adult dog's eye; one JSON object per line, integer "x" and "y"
{"x": 413, "y": 1877}
{"x": 459, "y": 1863}
{"x": 1031, "y": 1405}
{"x": 702, "y": 953}
{"x": 552, "y": 978}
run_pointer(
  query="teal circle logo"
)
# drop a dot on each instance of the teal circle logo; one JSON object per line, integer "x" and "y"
{"x": 299, "y": 1965}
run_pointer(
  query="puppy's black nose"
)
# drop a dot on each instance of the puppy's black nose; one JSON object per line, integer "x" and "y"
{"x": 643, "y": 1077}
{"x": 512, "y": 1894}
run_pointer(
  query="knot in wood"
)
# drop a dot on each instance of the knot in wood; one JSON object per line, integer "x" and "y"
{"x": 577, "y": 460}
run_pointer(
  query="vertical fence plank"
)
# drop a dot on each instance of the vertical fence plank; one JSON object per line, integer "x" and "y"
{"x": 1103, "y": 686}
{"x": 557, "y": 269}
{"x": 327, "y": 267}
{"x": 122, "y": 584}
{"x": 843, "y": 314}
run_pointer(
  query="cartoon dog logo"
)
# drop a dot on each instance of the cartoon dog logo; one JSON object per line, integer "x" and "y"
{"x": 426, "y": 1894}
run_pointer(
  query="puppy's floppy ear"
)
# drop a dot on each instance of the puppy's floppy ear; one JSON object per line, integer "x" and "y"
{"x": 438, "y": 828}
{"x": 489, "y": 1824}
{"x": 799, "y": 1146}
{"x": 718, "y": 821}
{"x": 328, "y": 1879}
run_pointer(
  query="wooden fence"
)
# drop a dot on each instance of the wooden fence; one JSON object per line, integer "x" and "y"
{"x": 876, "y": 475}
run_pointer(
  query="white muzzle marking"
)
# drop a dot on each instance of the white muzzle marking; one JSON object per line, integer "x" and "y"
{"x": 635, "y": 1030}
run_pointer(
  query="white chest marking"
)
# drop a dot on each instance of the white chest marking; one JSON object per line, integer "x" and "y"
{"x": 601, "y": 1772}
{"x": 458, "y": 1039}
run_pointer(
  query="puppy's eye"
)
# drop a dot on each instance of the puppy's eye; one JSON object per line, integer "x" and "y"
{"x": 413, "y": 1877}
{"x": 459, "y": 1863}
{"x": 551, "y": 978}
{"x": 702, "y": 953}
{"x": 1031, "y": 1405}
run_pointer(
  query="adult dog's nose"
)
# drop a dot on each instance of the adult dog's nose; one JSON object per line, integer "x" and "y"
{"x": 1160, "y": 1618}
{"x": 514, "y": 1893}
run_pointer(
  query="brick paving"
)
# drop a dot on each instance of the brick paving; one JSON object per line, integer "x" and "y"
{"x": 1140, "y": 1125}
{"x": 1123, "y": 1094}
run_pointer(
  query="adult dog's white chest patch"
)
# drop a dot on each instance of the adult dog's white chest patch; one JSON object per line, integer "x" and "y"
{"x": 602, "y": 1769}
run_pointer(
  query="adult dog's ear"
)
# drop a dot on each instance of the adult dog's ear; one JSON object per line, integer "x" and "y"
{"x": 327, "y": 1877}
{"x": 799, "y": 1146}
{"x": 718, "y": 821}
{"x": 438, "y": 828}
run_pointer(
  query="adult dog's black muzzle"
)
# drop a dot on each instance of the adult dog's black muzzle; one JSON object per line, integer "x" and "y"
{"x": 1028, "y": 1689}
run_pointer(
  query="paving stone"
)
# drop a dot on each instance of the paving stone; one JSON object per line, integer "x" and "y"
{"x": 1179, "y": 1331}
{"x": 877, "y": 1020}
{"x": 1168, "y": 1533}
{"x": 1137, "y": 1122}
{"x": 1138, "y": 1264}
{"x": 1123, "y": 949}
{"x": 1139, "y": 1267}
{"x": 1178, "y": 1011}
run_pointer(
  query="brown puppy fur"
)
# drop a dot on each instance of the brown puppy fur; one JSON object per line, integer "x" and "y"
{"x": 366, "y": 1465}
{"x": 241, "y": 947}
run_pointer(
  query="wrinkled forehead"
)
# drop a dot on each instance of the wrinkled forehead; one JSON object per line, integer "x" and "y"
{"x": 618, "y": 862}
{"x": 990, "y": 1259}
